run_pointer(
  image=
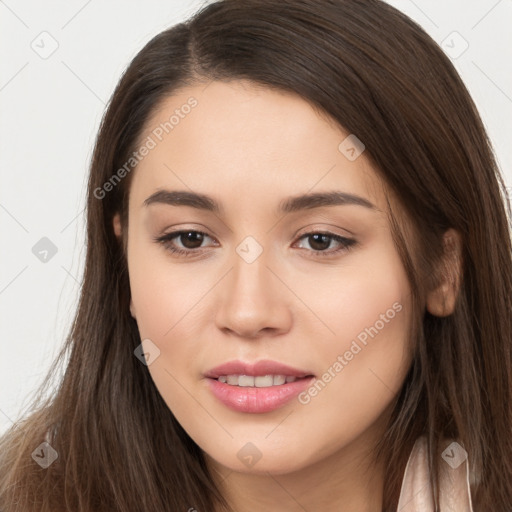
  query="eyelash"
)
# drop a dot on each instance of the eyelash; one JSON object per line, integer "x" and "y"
{"x": 346, "y": 243}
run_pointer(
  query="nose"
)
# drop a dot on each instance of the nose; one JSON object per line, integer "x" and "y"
{"x": 252, "y": 302}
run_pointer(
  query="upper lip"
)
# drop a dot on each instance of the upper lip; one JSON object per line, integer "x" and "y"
{"x": 263, "y": 367}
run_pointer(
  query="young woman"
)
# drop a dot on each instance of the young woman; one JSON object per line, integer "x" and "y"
{"x": 298, "y": 282}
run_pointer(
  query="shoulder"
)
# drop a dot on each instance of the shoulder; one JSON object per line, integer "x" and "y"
{"x": 454, "y": 492}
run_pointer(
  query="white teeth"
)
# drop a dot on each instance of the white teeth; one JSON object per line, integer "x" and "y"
{"x": 232, "y": 379}
{"x": 261, "y": 381}
{"x": 246, "y": 381}
{"x": 279, "y": 379}
{"x": 264, "y": 382}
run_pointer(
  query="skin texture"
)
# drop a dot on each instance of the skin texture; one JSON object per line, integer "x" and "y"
{"x": 250, "y": 148}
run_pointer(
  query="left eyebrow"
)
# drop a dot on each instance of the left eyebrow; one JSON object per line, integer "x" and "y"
{"x": 319, "y": 199}
{"x": 290, "y": 204}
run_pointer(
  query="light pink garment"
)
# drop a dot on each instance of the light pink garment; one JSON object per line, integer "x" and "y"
{"x": 455, "y": 496}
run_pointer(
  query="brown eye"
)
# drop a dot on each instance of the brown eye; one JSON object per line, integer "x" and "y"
{"x": 191, "y": 239}
{"x": 320, "y": 243}
{"x": 183, "y": 243}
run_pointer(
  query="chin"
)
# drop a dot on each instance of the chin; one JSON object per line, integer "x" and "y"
{"x": 251, "y": 460}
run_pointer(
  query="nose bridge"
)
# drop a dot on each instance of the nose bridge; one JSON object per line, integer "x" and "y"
{"x": 250, "y": 299}
{"x": 250, "y": 276}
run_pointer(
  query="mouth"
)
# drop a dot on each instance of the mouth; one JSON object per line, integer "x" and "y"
{"x": 256, "y": 387}
{"x": 259, "y": 381}
{"x": 234, "y": 370}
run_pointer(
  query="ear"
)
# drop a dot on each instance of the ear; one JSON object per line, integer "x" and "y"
{"x": 441, "y": 300}
{"x": 117, "y": 225}
{"x": 116, "y": 222}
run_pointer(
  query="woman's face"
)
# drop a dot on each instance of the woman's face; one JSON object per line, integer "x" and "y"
{"x": 295, "y": 275}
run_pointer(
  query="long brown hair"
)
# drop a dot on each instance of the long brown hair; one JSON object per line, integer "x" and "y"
{"x": 379, "y": 76}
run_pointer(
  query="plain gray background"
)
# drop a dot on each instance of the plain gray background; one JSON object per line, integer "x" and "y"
{"x": 59, "y": 64}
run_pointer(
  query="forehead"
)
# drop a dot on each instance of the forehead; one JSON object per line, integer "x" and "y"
{"x": 251, "y": 141}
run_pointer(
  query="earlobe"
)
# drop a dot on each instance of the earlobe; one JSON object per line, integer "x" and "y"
{"x": 441, "y": 300}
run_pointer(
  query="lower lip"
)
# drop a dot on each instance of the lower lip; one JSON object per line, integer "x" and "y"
{"x": 257, "y": 400}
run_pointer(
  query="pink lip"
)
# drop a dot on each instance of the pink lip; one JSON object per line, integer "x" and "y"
{"x": 264, "y": 367}
{"x": 252, "y": 399}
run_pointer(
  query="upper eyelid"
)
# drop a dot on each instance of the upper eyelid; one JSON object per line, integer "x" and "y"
{"x": 176, "y": 234}
{"x": 299, "y": 232}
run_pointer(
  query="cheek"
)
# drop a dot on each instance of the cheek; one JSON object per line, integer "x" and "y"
{"x": 161, "y": 317}
{"x": 362, "y": 376}
{"x": 355, "y": 298}
{"x": 367, "y": 359}
{"x": 163, "y": 294}
{"x": 170, "y": 312}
